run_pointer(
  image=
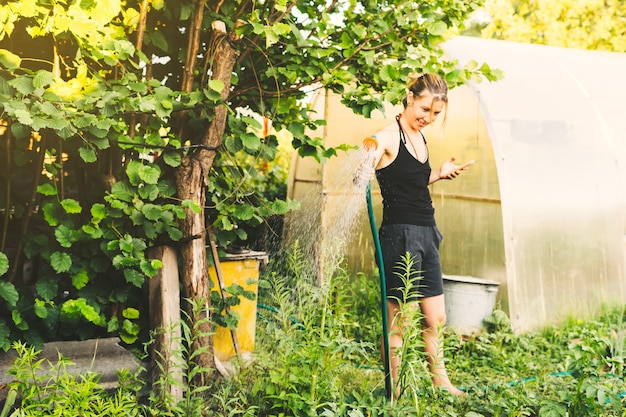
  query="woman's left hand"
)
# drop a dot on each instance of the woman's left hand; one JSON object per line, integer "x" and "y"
{"x": 450, "y": 170}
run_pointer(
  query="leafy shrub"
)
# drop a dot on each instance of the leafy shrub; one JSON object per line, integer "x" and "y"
{"x": 91, "y": 262}
{"x": 57, "y": 393}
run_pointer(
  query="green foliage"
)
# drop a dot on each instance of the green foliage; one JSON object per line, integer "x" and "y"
{"x": 9, "y": 293}
{"x": 249, "y": 188}
{"x": 55, "y": 392}
{"x": 560, "y": 370}
{"x": 309, "y": 362}
{"x": 411, "y": 354}
{"x": 311, "y": 336}
{"x": 50, "y": 390}
{"x": 221, "y": 304}
{"x": 594, "y": 24}
{"x": 179, "y": 364}
{"x": 4, "y": 264}
{"x": 87, "y": 269}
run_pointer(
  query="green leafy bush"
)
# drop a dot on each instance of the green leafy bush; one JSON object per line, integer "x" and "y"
{"x": 91, "y": 262}
{"x": 57, "y": 393}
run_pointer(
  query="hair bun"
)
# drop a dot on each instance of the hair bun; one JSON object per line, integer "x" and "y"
{"x": 414, "y": 77}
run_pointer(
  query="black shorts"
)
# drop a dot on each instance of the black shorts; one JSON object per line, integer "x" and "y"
{"x": 422, "y": 243}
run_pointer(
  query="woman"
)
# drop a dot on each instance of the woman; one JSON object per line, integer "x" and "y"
{"x": 403, "y": 172}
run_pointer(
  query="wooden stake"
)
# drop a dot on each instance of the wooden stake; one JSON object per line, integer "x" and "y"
{"x": 220, "y": 282}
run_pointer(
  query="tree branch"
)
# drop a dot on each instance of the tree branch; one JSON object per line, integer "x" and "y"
{"x": 193, "y": 46}
{"x": 141, "y": 26}
{"x": 224, "y": 56}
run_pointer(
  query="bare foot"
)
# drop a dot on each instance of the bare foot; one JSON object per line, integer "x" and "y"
{"x": 444, "y": 382}
{"x": 454, "y": 390}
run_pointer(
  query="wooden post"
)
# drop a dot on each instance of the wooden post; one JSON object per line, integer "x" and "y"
{"x": 164, "y": 296}
{"x": 192, "y": 177}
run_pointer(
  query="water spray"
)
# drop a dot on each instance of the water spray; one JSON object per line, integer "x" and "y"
{"x": 369, "y": 146}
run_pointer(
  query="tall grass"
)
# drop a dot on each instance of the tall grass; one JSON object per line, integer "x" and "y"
{"x": 317, "y": 354}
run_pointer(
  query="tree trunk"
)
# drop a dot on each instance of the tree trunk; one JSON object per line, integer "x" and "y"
{"x": 191, "y": 180}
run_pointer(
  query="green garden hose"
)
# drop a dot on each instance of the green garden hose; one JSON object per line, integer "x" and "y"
{"x": 383, "y": 291}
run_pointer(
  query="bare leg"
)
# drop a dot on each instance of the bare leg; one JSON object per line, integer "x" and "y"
{"x": 433, "y": 310}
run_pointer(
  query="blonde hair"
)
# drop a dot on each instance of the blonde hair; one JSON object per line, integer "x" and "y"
{"x": 433, "y": 83}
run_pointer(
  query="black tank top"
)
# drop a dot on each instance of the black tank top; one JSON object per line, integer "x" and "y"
{"x": 404, "y": 188}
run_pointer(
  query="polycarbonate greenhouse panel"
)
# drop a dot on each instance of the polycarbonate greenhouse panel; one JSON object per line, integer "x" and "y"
{"x": 557, "y": 128}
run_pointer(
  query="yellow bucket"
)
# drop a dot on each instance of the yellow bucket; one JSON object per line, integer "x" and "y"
{"x": 241, "y": 269}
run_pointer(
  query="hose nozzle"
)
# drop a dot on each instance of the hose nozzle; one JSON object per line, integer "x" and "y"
{"x": 370, "y": 144}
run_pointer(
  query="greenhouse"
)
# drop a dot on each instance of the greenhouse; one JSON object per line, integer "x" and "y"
{"x": 542, "y": 210}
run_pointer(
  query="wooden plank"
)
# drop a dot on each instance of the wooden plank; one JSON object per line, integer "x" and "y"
{"x": 164, "y": 296}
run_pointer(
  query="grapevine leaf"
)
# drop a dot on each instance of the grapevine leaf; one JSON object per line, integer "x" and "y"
{"x": 71, "y": 206}
{"x": 9, "y": 293}
{"x": 152, "y": 211}
{"x": 98, "y": 212}
{"x": 134, "y": 277}
{"x": 18, "y": 320}
{"x": 5, "y": 333}
{"x": 46, "y": 189}
{"x": 123, "y": 191}
{"x": 80, "y": 280}
{"x": 64, "y": 236}
{"x": 130, "y": 313}
{"x": 244, "y": 212}
{"x": 132, "y": 170}
{"x": 9, "y": 60}
{"x": 87, "y": 154}
{"x": 79, "y": 308}
{"x": 47, "y": 288}
{"x": 42, "y": 79}
{"x": 172, "y": 159}
{"x": 61, "y": 262}
{"x": 4, "y": 263}
{"x": 150, "y": 266}
{"x": 40, "y": 309}
{"x": 150, "y": 174}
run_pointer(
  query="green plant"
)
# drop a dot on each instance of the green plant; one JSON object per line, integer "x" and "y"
{"x": 92, "y": 264}
{"x": 356, "y": 297}
{"x": 251, "y": 184}
{"x": 558, "y": 371}
{"x": 222, "y": 301}
{"x": 412, "y": 369}
{"x": 180, "y": 370}
{"x": 308, "y": 362}
{"x": 54, "y": 392}
{"x": 48, "y": 389}
{"x": 133, "y": 109}
{"x": 8, "y": 402}
{"x": 590, "y": 394}
{"x": 308, "y": 338}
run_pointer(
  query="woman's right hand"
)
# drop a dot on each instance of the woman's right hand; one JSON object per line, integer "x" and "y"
{"x": 363, "y": 175}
